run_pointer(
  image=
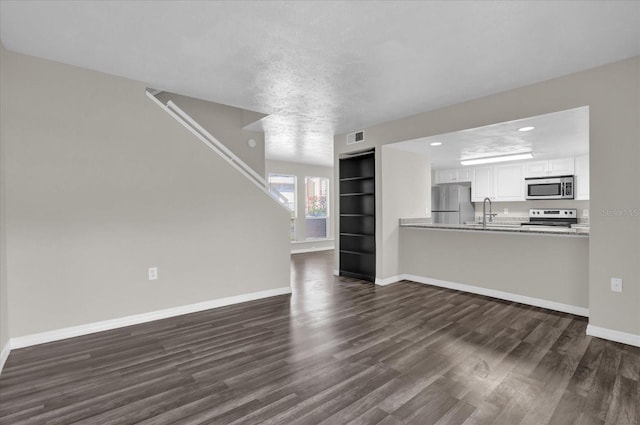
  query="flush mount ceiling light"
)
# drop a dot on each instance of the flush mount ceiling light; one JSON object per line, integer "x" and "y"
{"x": 503, "y": 158}
{"x": 435, "y": 143}
{"x": 526, "y": 128}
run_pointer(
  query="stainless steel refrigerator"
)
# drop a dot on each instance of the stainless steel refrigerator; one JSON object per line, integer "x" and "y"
{"x": 451, "y": 204}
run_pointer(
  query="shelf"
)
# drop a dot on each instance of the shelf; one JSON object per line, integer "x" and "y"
{"x": 346, "y": 251}
{"x": 348, "y": 179}
{"x": 357, "y": 275}
{"x": 357, "y": 215}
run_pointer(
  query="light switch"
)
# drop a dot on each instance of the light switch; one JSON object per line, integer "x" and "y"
{"x": 616, "y": 284}
{"x": 153, "y": 273}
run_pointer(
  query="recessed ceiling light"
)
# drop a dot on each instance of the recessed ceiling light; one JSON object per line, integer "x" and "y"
{"x": 526, "y": 128}
{"x": 487, "y": 160}
{"x": 435, "y": 143}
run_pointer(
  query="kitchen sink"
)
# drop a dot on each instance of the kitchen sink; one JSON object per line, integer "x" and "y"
{"x": 495, "y": 225}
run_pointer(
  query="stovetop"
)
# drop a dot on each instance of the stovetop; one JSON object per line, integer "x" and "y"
{"x": 552, "y": 217}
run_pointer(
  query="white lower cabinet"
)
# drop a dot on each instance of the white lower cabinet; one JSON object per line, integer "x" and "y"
{"x": 501, "y": 183}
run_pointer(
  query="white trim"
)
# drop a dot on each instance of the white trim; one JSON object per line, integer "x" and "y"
{"x": 612, "y": 335}
{"x": 317, "y": 249}
{"x": 314, "y": 240}
{"x": 4, "y": 354}
{"x": 537, "y": 302}
{"x": 89, "y": 328}
{"x": 336, "y": 272}
{"x": 389, "y": 280}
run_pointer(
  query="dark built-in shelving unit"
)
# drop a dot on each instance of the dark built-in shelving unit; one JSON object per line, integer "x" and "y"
{"x": 358, "y": 216}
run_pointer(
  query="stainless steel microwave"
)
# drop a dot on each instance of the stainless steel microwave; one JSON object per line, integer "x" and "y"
{"x": 560, "y": 187}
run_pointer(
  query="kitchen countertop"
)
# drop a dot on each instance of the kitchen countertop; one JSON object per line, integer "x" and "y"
{"x": 513, "y": 229}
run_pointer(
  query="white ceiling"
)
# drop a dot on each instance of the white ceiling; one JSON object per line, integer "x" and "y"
{"x": 322, "y": 68}
{"x": 556, "y": 135}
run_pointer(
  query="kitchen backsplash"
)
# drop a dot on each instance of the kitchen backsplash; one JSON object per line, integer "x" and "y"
{"x": 517, "y": 210}
{"x": 521, "y": 219}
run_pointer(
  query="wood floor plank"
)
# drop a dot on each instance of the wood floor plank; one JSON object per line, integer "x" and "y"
{"x": 337, "y": 351}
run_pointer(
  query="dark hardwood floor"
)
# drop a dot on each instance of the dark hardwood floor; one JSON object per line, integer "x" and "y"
{"x": 339, "y": 351}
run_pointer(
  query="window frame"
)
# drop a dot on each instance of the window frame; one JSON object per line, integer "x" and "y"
{"x": 294, "y": 211}
{"x": 327, "y": 215}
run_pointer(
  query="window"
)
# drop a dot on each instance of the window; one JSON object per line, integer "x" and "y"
{"x": 283, "y": 188}
{"x": 316, "y": 207}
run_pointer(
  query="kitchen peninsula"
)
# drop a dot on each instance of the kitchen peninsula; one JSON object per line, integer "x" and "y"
{"x": 545, "y": 268}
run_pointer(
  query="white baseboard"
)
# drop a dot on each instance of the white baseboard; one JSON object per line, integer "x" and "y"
{"x": 312, "y": 241}
{"x": 317, "y": 249}
{"x": 4, "y": 354}
{"x": 389, "y": 280}
{"x": 537, "y": 302}
{"x": 617, "y": 336}
{"x": 73, "y": 331}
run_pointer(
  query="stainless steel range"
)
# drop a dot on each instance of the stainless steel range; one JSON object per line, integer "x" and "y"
{"x": 552, "y": 217}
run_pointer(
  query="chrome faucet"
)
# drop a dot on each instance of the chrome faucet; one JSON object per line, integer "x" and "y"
{"x": 484, "y": 212}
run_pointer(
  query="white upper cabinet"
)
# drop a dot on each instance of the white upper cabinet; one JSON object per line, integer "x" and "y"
{"x": 465, "y": 174}
{"x": 561, "y": 167}
{"x": 536, "y": 169}
{"x": 505, "y": 183}
{"x": 500, "y": 183}
{"x": 551, "y": 167}
{"x": 508, "y": 182}
{"x": 446, "y": 176}
{"x": 482, "y": 184}
{"x": 453, "y": 175}
{"x": 582, "y": 177}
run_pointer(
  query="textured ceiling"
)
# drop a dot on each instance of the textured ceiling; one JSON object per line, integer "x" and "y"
{"x": 321, "y": 68}
{"x": 555, "y": 135}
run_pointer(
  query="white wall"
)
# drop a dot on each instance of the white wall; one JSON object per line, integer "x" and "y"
{"x": 4, "y": 306}
{"x": 612, "y": 93}
{"x": 406, "y": 192}
{"x": 102, "y": 184}
{"x": 301, "y": 171}
{"x": 226, "y": 124}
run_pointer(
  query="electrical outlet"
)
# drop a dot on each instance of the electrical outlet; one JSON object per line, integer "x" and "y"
{"x": 506, "y": 211}
{"x": 585, "y": 213}
{"x": 616, "y": 284}
{"x": 153, "y": 273}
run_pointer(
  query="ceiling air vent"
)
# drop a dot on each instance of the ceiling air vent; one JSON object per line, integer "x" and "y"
{"x": 356, "y": 137}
